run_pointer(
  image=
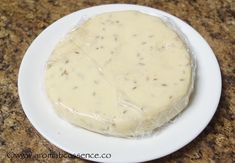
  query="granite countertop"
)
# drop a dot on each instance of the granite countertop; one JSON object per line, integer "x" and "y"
{"x": 22, "y": 21}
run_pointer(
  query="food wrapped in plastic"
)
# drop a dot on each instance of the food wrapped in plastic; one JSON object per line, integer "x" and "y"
{"x": 122, "y": 73}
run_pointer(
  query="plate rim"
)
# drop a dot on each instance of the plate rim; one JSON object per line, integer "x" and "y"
{"x": 21, "y": 71}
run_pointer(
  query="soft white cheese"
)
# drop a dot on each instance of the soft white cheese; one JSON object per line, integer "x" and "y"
{"x": 120, "y": 73}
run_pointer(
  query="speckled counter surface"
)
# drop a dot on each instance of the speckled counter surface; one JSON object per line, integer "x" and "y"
{"x": 22, "y": 20}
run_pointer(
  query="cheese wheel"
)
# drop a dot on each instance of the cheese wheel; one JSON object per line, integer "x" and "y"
{"x": 121, "y": 73}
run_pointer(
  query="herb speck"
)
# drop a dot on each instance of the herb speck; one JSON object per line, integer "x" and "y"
{"x": 96, "y": 82}
{"x": 142, "y": 64}
{"x": 49, "y": 65}
{"x": 64, "y": 73}
{"x": 143, "y": 43}
{"x": 124, "y": 112}
{"x": 134, "y": 88}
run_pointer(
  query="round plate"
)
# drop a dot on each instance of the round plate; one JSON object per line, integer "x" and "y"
{"x": 80, "y": 141}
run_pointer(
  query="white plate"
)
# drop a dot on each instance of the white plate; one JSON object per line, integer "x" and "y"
{"x": 76, "y": 140}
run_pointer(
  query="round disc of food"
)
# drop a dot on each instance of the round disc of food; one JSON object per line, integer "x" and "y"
{"x": 120, "y": 73}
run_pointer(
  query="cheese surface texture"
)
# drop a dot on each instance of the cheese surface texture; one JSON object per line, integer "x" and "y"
{"x": 120, "y": 73}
